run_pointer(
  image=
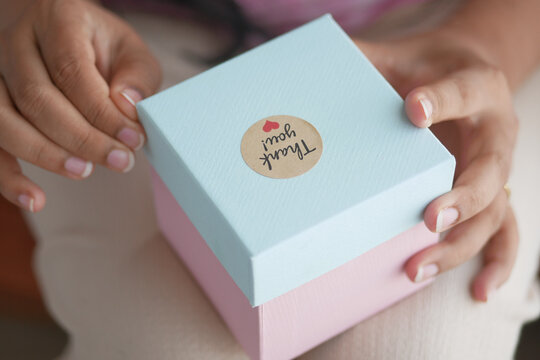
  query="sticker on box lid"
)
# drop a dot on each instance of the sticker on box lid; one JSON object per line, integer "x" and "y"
{"x": 281, "y": 146}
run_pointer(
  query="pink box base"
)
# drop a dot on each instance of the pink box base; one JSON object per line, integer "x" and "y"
{"x": 297, "y": 321}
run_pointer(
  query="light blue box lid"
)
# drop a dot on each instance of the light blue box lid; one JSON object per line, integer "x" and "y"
{"x": 376, "y": 174}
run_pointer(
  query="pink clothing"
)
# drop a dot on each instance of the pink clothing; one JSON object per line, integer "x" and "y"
{"x": 278, "y": 16}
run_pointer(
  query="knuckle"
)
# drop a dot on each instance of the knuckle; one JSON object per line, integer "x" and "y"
{"x": 496, "y": 74}
{"x": 31, "y": 97}
{"x": 461, "y": 87}
{"x": 66, "y": 71}
{"x": 456, "y": 252}
{"x": 97, "y": 113}
{"x": 496, "y": 79}
{"x": 82, "y": 142}
{"x": 460, "y": 254}
{"x": 37, "y": 153}
{"x": 465, "y": 95}
{"x": 473, "y": 201}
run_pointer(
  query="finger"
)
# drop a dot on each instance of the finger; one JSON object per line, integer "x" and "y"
{"x": 462, "y": 94}
{"x": 72, "y": 68}
{"x": 16, "y": 187}
{"x": 499, "y": 258}
{"x": 460, "y": 244}
{"x": 23, "y": 141}
{"x": 42, "y": 104}
{"x": 135, "y": 74}
{"x": 473, "y": 191}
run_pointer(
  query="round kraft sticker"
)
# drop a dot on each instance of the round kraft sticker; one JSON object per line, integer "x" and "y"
{"x": 281, "y": 146}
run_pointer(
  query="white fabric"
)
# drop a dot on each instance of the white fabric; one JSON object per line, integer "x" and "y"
{"x": 114, "y": 284}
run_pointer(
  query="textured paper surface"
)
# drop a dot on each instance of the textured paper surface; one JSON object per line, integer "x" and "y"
{"x": 301, "y": 319}
{"x": 375, "y": 176}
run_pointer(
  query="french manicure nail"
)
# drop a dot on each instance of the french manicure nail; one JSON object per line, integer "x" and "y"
{"x": 27, "y": 202}
{"x": 131, "y": 138}
{"x": 427, "y": 107}
{"x": 131, "y": 95}
{"x": 445, "y": 218}
{"x": 78, "y": 167}
{"x": 121, "y": 160}
{"x": 426, "y": 272}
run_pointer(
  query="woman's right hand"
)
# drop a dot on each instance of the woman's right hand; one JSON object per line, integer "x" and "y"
{"x": 70, "y": 75}
{"x": 452, "y": 83}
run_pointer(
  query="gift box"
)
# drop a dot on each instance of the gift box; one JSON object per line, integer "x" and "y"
{"x": 292, "y": 185}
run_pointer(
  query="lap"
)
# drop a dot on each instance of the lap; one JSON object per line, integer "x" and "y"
{"x": 110, "y": 279}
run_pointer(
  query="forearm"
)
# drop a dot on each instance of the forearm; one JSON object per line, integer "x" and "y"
{"x": 507, "y": 31}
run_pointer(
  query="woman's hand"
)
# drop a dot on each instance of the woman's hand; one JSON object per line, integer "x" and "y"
{"x": 452, "y": 87}
{"x": 71, "y": 73}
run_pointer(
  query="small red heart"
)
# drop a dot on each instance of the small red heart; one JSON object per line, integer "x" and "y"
{"x": 269, "y": 125}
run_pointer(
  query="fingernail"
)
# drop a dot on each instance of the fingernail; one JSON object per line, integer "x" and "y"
{"x": 131, "y": 95}
{"x": 426, "y": 272}
{"x": 131, "y": 138}
{"x": 446, "y": 218}
{"x": 27, "y": 202}
{"x": 78, "y": 167}
{"x": 121, "y": 160}
{"x": 427, "y": 107}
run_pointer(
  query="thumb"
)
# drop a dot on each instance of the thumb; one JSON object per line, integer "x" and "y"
{"x": 135, "y": 75}
{"x": 458, "y": 95}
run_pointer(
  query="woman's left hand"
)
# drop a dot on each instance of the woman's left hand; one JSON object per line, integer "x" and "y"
{"x": 453, "y": 87}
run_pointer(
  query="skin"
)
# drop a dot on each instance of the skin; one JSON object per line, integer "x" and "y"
{"x": 472, "y": 115}
{"x": 466, "y": 70}
{"x": 67, "y": 102}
